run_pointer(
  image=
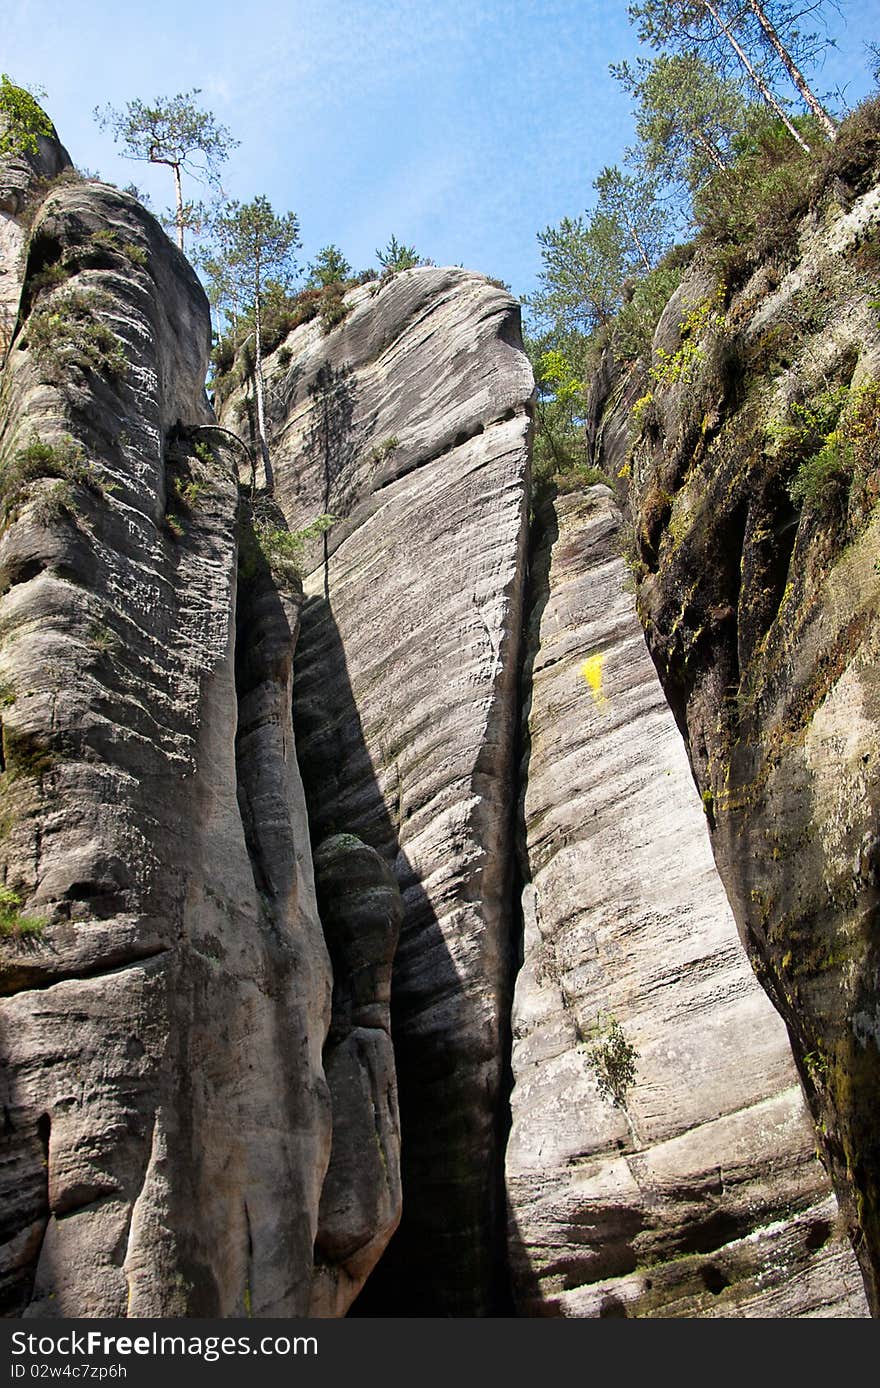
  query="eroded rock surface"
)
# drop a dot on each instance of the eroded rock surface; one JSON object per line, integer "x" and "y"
{"x": 361, "y": 912}
{"x": 409, "y": 422}
{"x": 167, "y": 1123}
{"x": 761, "y": 605}
{"x": 696, "y": 1193}
{"x": 18, "y": 177}
{"x": 189, "y": 1129}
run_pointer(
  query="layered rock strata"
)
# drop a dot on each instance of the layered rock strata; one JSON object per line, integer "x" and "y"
{"x": 410, "y": 423}
{"x": 166, "y": 1118}
{"x": 18, "y": 178}
{"x": 661, "y": 1160}
{"x": 361, "y": 1200}
{"x": 190, "y": 1128}
{"x": 751, "y": 465}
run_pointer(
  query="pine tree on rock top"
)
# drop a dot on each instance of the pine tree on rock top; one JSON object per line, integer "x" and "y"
{"x": 176, "y": 132}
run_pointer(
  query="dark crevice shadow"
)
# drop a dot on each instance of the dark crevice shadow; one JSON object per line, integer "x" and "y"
{"x": 524, "y": 1284}
{"x": 443, "y": 1260}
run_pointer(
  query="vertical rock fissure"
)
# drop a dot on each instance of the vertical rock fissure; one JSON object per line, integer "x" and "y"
{"x": 534, "y": 597}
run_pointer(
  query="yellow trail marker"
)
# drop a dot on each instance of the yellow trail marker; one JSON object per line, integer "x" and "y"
{"x": 592, "y": 673}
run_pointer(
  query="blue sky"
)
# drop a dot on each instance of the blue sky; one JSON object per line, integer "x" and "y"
{"x": 464, "y": 127}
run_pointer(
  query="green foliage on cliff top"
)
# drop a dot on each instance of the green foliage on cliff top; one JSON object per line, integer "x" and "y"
{"x": 22, "y": 120}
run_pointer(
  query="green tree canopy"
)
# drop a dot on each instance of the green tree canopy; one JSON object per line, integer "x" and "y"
{"x": 22, "y": 119}
{"x": 328, "y": 267}
{"x": 176, "y": 132}
{"x": 687, "y": 116}
{"x": 761, "y": 38}
{"x": 631, "y": 200}
{"x": 588, "y": 260}
{"x": 254, "y": 251}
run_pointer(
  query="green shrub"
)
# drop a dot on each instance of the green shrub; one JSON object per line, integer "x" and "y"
{"x": 67, "y": 333}
{"x": 612, "y": 1057}
{"x": 681, "y": 365}
{"x": 642, "y": 410}
{"x": 283, "y": 551}
{"x": 578, "y": 477}
{"x": 836, "y": 438}
{"x": 205, "y": 453}
{"x": 64, "y": 459}
{"x": 853, "y": 158}
{"x": 48, "y": 278}
{"x": 381, "y": 450}
{"x": 751, "y": 210}
{"x": 110, "y": 240}
{"x": 187, "y": 493}
{"x": 53, "y": 502}
{"x": 333, "y": 306}
{"x": 809, "y": 442}
{"x": 13, "y": 925}
{"x": 103, "y": 641}
{"x": 821, "y": 479}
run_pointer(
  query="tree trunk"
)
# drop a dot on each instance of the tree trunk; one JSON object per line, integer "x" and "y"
{"x": 708, "y": 147}
{"x": 637, "y": 243}
{"x": 793, "y": 70}
{"x": 259, "y": 390}
{"x": 179, "y": 194}
{"x": 755, "y": 76}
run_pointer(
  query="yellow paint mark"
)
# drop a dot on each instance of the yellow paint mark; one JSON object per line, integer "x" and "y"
{"x": 592, "y": 673}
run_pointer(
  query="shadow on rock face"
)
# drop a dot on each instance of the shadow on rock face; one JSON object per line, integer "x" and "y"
{"x": 443, "y": 1260}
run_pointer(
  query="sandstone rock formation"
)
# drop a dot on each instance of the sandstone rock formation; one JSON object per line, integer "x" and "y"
{"x": 18, "y": 177}
{"x": 166, "y": 1117}
{"x": 361, "y": 1200}
{"x": 692, "y": 1187}
{"x": 410, "y": 423}
{"x": 260, "y": 912}
{"x": 759, "y": 591}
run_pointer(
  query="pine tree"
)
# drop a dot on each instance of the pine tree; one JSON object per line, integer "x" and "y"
{"x": 396, "y": 256}
{"x": 173, "y": 131}
{"x": 255, "y": 253}
{"x": 687, "y": 116}
{"x": 759, "y": 37}
{"x": 328, "y": 267}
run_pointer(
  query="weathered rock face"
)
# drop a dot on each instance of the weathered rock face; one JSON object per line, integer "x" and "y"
{"x": 167, "y": 1122}
{"x": 200, "y": 1077}
{"x": 753, "y": 478}
{"x": 361, "y": 912}
{"x": 409, "y": 422}
{"x": 18, "y": 177}
{"x": 689, "y": 1187}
